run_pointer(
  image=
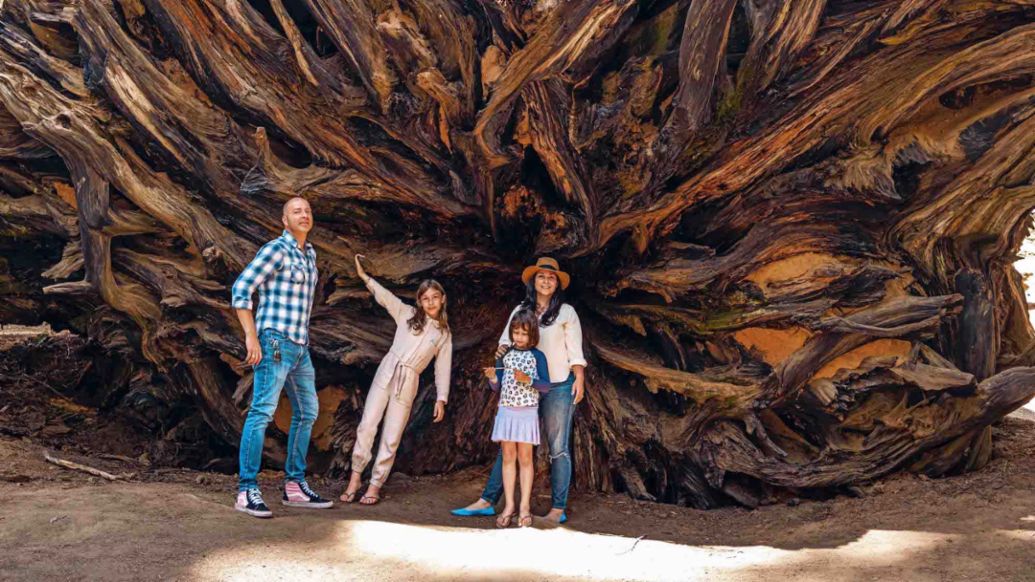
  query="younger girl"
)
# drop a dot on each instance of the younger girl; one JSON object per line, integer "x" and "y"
{"x": 421, "y": 333}
{"x": 519, "y": 375}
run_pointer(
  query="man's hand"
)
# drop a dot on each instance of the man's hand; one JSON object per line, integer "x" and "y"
{"x": 440, "y": 411}
{"x": 251, "y": 342}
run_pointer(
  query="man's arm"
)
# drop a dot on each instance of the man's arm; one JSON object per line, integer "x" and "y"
{"x": 268, "y": 259}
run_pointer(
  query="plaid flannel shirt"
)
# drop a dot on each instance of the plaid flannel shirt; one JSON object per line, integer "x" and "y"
{"x": 286, "y": 280}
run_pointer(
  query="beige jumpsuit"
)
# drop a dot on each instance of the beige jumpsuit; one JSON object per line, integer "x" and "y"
{"x": 395, "y": 383}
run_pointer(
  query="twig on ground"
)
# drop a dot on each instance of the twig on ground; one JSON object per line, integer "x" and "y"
{"x": 633, "y": 547}
{"x": 79, "y": 467}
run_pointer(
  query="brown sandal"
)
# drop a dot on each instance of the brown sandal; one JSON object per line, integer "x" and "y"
{"x": 503, "y": 520}
{"x": 369, "y": 500}
{"x": 348, "y": 497}
{"x": 525, "y": 521}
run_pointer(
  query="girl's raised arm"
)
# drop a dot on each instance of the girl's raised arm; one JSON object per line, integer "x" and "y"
{"x": 385, "y": 298}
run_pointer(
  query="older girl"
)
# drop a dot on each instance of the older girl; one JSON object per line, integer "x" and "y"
{"x": 421, "y": 333}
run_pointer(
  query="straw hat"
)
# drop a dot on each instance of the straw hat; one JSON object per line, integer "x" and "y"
{"x": 546, "y": 264}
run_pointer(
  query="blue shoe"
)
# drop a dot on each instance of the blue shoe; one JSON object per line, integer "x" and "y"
{"x": 564, "y": 517}
{"x": 464, "y": 512}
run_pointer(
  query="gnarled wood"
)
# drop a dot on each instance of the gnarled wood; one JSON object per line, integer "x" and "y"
{"x": 790, "y": 225}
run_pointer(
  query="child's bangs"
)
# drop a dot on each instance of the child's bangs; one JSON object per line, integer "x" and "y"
{"x": 526, "y": 321}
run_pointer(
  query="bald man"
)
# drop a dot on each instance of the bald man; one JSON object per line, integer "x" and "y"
{"x": 277, "y": 339}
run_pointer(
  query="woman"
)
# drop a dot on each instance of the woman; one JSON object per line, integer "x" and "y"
{"x": 560, "y": 338}
{"x": 421, "y": 333}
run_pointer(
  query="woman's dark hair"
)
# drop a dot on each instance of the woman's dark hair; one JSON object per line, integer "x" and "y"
{"x": 525, "y": 319}
{"x": 550, "y": 315}
{"x": 420, "y": 318}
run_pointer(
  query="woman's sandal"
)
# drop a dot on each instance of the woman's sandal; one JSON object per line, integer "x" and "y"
{"x": 503, "y": 520}
{"x": 369, "y": 500}
{"x": 525, "y": 521}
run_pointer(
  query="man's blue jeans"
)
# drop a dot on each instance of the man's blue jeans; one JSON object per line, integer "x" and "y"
{"x": 557, "y": 407}
{"x": 293, "y": 373}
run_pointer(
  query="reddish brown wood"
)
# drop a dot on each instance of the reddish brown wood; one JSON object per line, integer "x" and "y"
{"x": 790, "y": 224}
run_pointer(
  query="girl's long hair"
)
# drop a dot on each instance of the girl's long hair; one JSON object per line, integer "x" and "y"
{"x": 420, "y": 318}
{"x": 556, "y": 300}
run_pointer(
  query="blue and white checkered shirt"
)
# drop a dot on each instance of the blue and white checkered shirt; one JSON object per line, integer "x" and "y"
{"x": 286, "y": 280}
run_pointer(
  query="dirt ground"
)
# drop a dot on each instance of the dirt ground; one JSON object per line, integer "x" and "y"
{"x": 170, "y": 524}
{"x": 160, "y": 523}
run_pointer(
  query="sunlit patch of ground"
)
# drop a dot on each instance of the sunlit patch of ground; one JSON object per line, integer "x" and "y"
{"x": 467, "y": 553}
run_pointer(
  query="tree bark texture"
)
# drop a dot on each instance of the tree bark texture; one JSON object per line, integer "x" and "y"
{"x": 790, "y": 225}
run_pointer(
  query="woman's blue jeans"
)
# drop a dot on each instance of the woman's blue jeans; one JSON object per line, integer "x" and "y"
{"x": 557, "y": 408}
{"x": 285, "y": 365}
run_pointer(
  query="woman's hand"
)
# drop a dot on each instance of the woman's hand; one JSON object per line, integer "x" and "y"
{"x": 502, "y": 349}
{"x": 578, "y": 388}
{"x": 490, "y": 374}
{"x": 359, "y": 267}
{"x": 440, "y": 411}
{"x": 522, "y": 377}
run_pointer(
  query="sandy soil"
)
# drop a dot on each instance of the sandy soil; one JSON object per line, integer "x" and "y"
{"x": 57, "y": 524}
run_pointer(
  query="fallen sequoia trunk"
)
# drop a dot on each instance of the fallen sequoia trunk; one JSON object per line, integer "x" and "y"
{"x": 790, "y": 224}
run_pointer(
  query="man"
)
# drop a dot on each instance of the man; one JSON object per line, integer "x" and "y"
{"x": 277, "y": 339}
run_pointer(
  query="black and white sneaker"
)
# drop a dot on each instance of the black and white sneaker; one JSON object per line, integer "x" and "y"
{"x": 298, "y": 494}
{"x": 251, "y": 502}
